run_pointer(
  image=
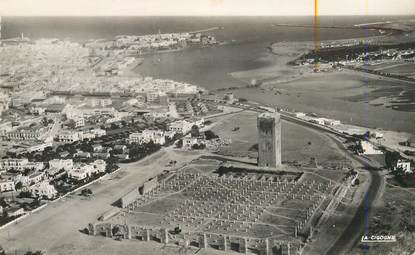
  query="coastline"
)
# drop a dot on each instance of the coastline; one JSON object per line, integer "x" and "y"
{"x": 299, "y": 88}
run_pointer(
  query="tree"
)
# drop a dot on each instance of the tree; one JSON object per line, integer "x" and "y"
{"x": 3, "y": 202}
{"x": 45, "y": 121}
{"x": 198, "y": 146}
{"x": 209, "y": 134}
{"x": 18, "y": 185}
{"x": 194, "y": 132}
{"x": 115, "y": 230}
{"x": 86, "y": 192}
{"x": 391, "y": 158}
{"x": 27, "y": 171}
{"x": 179, "y": 143}
{"x": 87, "y": 147}
{"x": 36, "y": 202}
{"x": 71, "y": 124}
{"x": 25, "y": 194}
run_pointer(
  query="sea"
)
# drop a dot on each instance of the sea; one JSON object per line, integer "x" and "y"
{"x": 207, "y": 67}
{"x": 210, "y": 67}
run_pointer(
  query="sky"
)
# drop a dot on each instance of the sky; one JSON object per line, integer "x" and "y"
{"x": 203, "y": 7}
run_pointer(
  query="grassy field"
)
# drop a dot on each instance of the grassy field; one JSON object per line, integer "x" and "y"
{"x": 406, "y": 181}
{"x": 396, "y": 68}
{"x": 298, "y": 143}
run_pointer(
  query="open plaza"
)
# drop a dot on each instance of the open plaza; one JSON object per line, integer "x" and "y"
{"x": 212, "y": 204}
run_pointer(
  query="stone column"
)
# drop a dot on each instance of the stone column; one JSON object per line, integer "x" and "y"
{"x": 109, "y": 230}
{"x": 243, "y": 246}
{"x": 146, "y": 235}
{"x": 311, "y": 231}
{"x": 91, "y": 229}
{"x": 203, "y": 241}
{"x": 128, "y": 232}
{"x": 267, "y": 247}
{"x": 225, "y": 243}
{"x": 164, "y": 236}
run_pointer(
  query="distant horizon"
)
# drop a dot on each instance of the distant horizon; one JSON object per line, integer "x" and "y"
{"x": 205, "y": 7}
{"x": 207, "y": 16}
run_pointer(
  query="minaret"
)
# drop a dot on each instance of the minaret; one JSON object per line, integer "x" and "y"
{"x": 269, "y": 139}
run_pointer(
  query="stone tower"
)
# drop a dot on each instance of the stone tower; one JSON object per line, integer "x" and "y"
{"x": 269, "y": 140}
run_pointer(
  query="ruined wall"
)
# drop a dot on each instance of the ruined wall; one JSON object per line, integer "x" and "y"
{"x": 198, "y": 239}
{"x": 129, "y": 197}
{"x": 149, "y": 185}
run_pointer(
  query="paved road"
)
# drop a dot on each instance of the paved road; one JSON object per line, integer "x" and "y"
{"x": 355, "y": 229}
{"x": 57, "y": 226}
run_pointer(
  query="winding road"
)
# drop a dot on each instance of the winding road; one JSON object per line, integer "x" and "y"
{"x": 356, "y": 227}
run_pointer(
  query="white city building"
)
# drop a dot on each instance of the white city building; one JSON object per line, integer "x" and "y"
{"x": 68, "y": 136}
{"x": 13, "y": 163}
{"x": 86, "y": 136}
{"x": 79, "y": 122}
{"x": 98, "y": 132}
{"x": 300, "y": 115}
{"x": 180, "y": 126}
{"x": 43, "y": 189}
{"x": 404, "y": 166}
{"x": 369, "y": 149}
{"x": 31, "y": 179}
{"x": 66, "y": 164}
{"x": 6, "y": 185}
{"x": 189, "y": 141}
{"x": 19, "y": 164}
{"x": 157, "y": 136}
{"x": 99, "y": 165}
{"x": 81, "y": 172}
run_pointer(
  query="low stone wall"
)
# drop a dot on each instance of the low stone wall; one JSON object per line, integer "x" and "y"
{"x": 129, "y": 232}
{"x": 132, "y": 196}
